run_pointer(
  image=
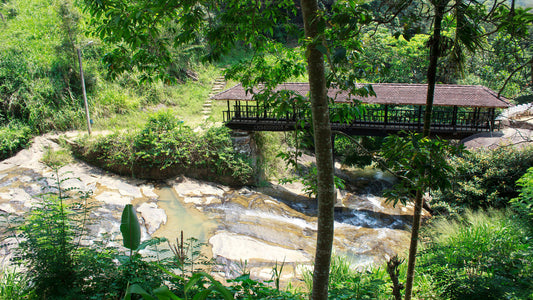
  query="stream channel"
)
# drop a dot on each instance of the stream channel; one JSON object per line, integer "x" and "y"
{"x": 251, "y": 230}
{"x": 245, "y": 229}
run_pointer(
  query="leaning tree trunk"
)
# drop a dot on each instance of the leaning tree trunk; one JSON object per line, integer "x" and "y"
{"x": 434, "y": 54}
{"x": 323, "y": 150}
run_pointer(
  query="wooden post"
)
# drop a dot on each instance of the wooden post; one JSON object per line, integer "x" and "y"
{"x": 386, "y": 118}
{"x": 419, "y": 117}
{"x": 491, "y": 119}
{"x": 84, "y": 94}
{"x": 475, "y": 118}
{"x": 454, "y": 118}
{"x": 257, "y": 110}
{"x": 229, "y": 112}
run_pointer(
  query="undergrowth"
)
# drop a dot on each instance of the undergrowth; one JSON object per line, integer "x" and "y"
{"x": 13, "y": 137}
{"x": 484, "y": 255}
{"x": 165, "y": 147}
{"x": 486, "y": 178}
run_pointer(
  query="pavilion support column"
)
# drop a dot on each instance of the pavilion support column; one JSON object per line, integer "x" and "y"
{"x": 386, "y": 118}
{"x": 419, "y": 127}
{"x": 491, "y": 119}
{"x": 229, "y": 112}
{"x": 257, "y": 110}
{"x": 454, "y": 119}
{"x": 475, "y": 121}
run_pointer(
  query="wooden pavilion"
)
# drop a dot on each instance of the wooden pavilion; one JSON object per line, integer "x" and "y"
{"x": 459, "y": 110}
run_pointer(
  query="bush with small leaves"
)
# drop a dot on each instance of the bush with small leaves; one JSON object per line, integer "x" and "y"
{"x": 486, "y": 178}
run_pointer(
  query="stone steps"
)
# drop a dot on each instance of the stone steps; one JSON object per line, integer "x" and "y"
{"x": 218, "y": 86}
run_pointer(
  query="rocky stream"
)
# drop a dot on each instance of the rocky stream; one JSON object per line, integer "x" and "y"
{"x": 252, "y": 228}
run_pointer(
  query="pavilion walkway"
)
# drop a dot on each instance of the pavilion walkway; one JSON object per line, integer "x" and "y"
{"x": 378, "y": 116}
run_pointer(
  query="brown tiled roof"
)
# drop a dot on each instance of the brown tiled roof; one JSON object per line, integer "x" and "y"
{"x": 395, "y": 94}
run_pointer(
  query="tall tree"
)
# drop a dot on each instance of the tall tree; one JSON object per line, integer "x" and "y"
{"x": 323, "y": 148}
{"x": 427, "y": 161}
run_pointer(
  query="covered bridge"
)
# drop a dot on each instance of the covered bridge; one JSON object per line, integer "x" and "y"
{"x": 459, "y": 110}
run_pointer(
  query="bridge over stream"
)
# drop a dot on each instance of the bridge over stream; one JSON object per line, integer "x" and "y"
{"x": 459, "y": 110}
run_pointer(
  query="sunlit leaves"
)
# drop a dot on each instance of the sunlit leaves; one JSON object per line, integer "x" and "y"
{"x": 420, "y": 162}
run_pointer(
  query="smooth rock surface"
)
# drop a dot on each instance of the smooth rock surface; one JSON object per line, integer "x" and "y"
{"x": 235, "y": 246}
{"x": 152, "y": 215}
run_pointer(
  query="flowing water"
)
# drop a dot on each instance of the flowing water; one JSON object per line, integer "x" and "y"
{"x": 181, "y": 218}
{"x": 248, "y": 230}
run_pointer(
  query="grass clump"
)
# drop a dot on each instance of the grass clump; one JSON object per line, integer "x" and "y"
{"x": 13, "y": 284}
{"x": 485, "y": 255}
{"x": 165, "y": 147}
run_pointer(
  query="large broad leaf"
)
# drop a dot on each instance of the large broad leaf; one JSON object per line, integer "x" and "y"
{"x": 137, "y": 289}
{"x": 130, "y": 228}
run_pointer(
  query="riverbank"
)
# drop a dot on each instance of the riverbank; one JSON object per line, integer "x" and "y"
{"x": 241, "y": 225}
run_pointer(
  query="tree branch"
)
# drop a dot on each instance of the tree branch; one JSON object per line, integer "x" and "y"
{"x": 512, "y": 74}
{"x": 375, "y": 159}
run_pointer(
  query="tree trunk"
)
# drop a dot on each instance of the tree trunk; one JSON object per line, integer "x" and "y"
{"x": 413, "y": 247}
{"x": 323, "y": 151}
{"x": 434, "y": 54}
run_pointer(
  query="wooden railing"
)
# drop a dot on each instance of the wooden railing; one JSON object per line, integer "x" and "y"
{"x": 385, "y": 118}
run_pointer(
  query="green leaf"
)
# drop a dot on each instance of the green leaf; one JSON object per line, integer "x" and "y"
{"x": 130, "y": 228}
{"x": 163, "y": 293}
{"x": 137, "y": 289}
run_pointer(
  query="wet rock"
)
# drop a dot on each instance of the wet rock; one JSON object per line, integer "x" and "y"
{"x": 113, "y": 198}
{"x": 240, "y": 247}
{"x": 194, "y": 188}
{"x": 148, "y": 191}
{"x": 152, "y": 215}
{"x": 7, "y": 208}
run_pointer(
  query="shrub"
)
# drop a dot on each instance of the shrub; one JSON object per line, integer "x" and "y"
{"x": 13, "y": 137}
{"x": 486, "y": 255}
{"x": 352, "y": 155}
{"x": 523, "y": 204}
{"x": 486, "y": 178}
{"x": 166, "y": 148}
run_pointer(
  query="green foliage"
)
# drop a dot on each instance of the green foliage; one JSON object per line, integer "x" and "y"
{"x": 351, "y": 155}
{"x": 486, "y": 178}
{"x": 13, "y": 284}
{"x": 486, "y": 255}
{"x": 523, "y": 204}
{"x": 390, "y": 59}
{"x": 38, "y": 84}
{"x": 166, "y": 145}
{"x": 420, "y": 163}
{"x": 243, "y": 287}
{"x": 199, "y": 286}
{"x": 13, "y": 137}
{"x": 57, "y": 265}
{"x": 130, "y": 228}
{"x": 347, "y": 283}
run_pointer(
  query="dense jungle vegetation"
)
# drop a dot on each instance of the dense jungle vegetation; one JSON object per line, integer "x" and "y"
{"x": 479, "y": 244}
